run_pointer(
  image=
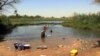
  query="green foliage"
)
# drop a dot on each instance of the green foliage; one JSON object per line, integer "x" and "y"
{"x": 90, "y": 21}
{"x": 27, "y": 20}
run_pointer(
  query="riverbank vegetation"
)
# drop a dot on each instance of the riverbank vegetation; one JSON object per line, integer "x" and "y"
{"x": 5, "y": 27}
{"x": 83, "y": 21}
{"x": 27, "y": 20}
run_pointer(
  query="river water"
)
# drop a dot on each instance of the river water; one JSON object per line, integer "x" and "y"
{"x": 34, "y": 32}
{"x": 32, "y": 35}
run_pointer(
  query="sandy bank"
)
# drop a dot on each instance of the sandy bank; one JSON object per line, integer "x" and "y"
{"x": 7, "y": 49}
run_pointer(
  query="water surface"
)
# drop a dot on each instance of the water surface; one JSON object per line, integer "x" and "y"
{"x": 34, "y": 32}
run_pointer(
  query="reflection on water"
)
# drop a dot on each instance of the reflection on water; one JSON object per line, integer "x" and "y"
{"x": 34, "y": 32}
{"x": 43, "y": 40}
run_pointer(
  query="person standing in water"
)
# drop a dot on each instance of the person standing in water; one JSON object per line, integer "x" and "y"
{"x": 51, "y": 31}
{"x": 43, "y": 36}
{"x": 45, "y": 27}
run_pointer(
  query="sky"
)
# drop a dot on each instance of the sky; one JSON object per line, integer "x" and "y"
{"x": 55, "y": 8}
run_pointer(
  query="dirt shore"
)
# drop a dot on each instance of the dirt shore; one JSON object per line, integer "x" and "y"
{"x": 7, "y": 49}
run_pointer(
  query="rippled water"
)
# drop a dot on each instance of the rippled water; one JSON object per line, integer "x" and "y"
{"x": 34, "y": 32}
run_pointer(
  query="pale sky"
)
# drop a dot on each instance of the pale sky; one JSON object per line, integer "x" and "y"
{"x": 56, "y": 8}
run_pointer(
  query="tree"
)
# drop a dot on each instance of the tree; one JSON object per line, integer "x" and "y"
{"x": 38, "y": 16}
{"x": 5, "y": 29}
{"x": 16, "y": 13}
{"x": 97, "y": 1}
{"x": 4, "y": 3}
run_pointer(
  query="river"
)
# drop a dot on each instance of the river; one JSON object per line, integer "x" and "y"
{"x": 34, "y": 32}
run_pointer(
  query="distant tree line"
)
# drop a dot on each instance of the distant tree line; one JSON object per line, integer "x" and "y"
{"x": 29, "y": 17}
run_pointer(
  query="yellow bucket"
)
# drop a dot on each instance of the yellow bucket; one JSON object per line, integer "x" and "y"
{"x": 73, "y": 52}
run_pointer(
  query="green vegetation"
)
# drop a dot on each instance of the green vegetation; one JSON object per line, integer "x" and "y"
{"x": 27, "y": 20}
{"x": 83, "y": 21}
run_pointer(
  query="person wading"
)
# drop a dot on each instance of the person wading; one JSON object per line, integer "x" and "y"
{"x": 43, "y": 36}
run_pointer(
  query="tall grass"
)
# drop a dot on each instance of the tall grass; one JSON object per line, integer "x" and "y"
{"x": 83, "y": 21}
